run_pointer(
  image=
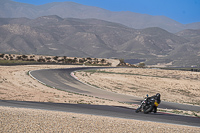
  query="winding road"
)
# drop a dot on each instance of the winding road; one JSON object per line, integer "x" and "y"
{"x": 62, "y": 79}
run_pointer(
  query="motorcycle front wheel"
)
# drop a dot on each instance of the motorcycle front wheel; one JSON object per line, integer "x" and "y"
{"x": 138, "y": 110}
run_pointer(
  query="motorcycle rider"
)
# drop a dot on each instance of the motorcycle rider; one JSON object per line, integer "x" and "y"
{"x": 157, "y": 101}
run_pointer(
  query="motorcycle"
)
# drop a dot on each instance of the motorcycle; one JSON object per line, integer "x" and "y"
{"x": 147, "y": 105}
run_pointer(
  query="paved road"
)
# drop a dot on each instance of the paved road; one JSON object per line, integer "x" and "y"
{"x": 61, "y": 79}
{"x": 111, "y": 111}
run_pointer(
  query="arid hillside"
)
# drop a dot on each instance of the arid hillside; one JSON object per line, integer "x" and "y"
{"x": 72, "y": 37}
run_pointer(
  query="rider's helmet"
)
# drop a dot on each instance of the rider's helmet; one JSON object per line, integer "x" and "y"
{"x": 158, "y": 95}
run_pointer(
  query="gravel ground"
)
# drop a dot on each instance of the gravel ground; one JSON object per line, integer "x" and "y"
{"x": 28, "y": 120}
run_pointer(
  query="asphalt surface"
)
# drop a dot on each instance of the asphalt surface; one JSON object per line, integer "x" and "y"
{"x": 61, "y": 79}
{"x": 102, "y": 110}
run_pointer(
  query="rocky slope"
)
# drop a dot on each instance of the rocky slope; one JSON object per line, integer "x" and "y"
{"x": 53, "y": 35}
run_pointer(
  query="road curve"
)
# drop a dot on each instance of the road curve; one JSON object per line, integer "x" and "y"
{"x": 60, "y": 78}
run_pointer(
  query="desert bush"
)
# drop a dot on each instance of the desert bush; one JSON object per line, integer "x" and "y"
{"x": 69, "y": 60}
{"x": 55, "y": 57}
{"x": 11, "y": 58}
{"x": 103, "y": 61}
{"x": 141, "y": 64}
{"x": 88, "y": 58}
{"x": 7, "y": 57}
{"x": 19, "y": 57}
{"x": 81, "y": 60}
{"x": 41, "y": 60}
{"x": 48, "y": 58}
{"x": 74, "y": 60}
{"x": 2, "y": 55}
{"x": 121, "y": 61}
{"x": 61, "y": 60}
{"x": 24, "y": 56}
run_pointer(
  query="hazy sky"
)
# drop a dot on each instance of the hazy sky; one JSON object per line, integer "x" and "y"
{"x": 183, "y": 11}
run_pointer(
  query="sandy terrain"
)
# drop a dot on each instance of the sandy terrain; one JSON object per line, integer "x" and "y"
{"x": 16, "y": 84}
{"x": 173, "y": 85}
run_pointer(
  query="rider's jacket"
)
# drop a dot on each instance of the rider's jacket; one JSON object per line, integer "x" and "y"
{"x": 156, "y": 98}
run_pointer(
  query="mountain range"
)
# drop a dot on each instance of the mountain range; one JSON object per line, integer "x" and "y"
{"x": 11, "y": 9}
{"x": 73, "y": 37}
